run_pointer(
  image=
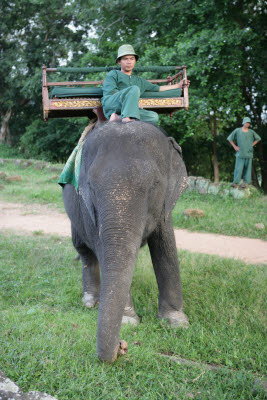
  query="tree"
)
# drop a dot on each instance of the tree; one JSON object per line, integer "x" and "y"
{"x": 33, "y": 32}
{"x": 221, "y": 42}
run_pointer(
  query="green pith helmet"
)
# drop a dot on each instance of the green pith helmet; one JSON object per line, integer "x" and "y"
{"x": 126, "y": 50}
{"x": 246, "y": 119}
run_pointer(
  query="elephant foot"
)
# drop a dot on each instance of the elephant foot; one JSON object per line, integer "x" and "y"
{"x": 176, "y": 319}
{"x": 130, "y": 317}
{"x": 130, "y": 320}
{"x": 89, "y": 300}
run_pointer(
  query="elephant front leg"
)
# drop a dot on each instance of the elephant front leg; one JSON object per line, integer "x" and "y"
{"x": 90, "y": 276}
{"x": 91, "y": 280}
{"x": 90, "y": 271}
{"x": 164, "y": 257}
{"x": 129, "y": 314}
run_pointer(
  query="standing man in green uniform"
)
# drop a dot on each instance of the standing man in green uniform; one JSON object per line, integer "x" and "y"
{"x": 246, "y": 139}
{"x": 122, "y": 90}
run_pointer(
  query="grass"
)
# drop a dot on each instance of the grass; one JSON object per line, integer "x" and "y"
{"x": 224, "y": 215}
{"x": 37, "y": 186}
{"x": 7, "y": 151}
{"x": 48, "y": 339}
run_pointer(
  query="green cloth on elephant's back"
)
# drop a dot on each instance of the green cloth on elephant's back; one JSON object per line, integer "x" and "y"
{"x": 71, "y": 171}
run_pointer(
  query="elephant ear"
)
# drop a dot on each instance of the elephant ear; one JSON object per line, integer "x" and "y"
{"x": 86, "y": 192}
{"x": 177, "y": 178}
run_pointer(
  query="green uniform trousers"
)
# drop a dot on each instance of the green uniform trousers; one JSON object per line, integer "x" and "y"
{"x": 125, "y": 103}
{"x": 243, "y": 166}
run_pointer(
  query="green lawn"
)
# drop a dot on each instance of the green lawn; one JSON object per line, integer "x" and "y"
{"x": 224, "y": 215}
{"x": 36, "y": 185}
{"x": 48, "y": 339}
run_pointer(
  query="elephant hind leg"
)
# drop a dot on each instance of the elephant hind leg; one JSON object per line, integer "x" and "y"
{"x": 90, "y": 272}
{"x": 129, "y": 314}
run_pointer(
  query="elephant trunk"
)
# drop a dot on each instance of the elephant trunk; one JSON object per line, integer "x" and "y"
{"x": 117, "y": 271}
{"x": 114, "y": 293}
{"x": 120, "y": 235}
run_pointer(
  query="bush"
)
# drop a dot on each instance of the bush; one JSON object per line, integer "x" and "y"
{"x": 52, "y": 141}
{"x": 7, "y": 151}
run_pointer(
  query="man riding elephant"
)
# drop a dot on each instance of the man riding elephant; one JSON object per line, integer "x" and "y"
{"x": 122, "y": 90}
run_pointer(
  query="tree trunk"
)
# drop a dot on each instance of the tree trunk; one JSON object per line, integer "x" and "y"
{"x": 215, "y": 155}
{"x": 254, "y": 177}
{"x": 211, "y": 165}
{"x": 5, "y": 131}
{"x": 257, "y": 112}
{"x": 263, "y": 163}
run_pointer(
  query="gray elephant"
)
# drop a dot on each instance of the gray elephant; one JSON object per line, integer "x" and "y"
{"x": 130, "y": 179}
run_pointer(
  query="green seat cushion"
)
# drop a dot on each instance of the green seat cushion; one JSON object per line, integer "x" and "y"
{"x": 89, "y": 91}
{"x": 164, "y": 94}
{"x": 93, "y": 91}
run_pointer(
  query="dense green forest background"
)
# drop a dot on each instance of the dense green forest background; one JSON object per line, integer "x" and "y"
{"x": 221, "y": 41}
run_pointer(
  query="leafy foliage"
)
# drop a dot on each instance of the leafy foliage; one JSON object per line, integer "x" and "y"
{"x": 53, "y": 141}
{"x": 220, "y": 41}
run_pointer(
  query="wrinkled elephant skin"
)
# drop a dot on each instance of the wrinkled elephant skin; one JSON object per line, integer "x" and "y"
{"x": 131, "y": 177}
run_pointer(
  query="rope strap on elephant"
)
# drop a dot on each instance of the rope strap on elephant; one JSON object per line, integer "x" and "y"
{"x": 156, "y": 68}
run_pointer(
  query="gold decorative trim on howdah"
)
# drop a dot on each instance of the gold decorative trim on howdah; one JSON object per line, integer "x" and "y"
{"x": 143, "y": 103}
{"x": 163, "y": 102}
{"x": 56, "y": 104}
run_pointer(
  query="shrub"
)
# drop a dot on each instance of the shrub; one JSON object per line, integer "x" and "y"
{"x": 52, "y": 141}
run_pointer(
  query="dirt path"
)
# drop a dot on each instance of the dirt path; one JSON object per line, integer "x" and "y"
{"x": 31, "y": 218}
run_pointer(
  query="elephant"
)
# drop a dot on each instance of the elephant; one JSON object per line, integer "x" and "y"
{"x": 131, "y": 176}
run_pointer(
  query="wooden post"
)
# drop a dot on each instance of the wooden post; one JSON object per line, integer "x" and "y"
{"x": 45, "y": 95}
{"x": 100, "y": 114}
{"x": 185, "y": 89}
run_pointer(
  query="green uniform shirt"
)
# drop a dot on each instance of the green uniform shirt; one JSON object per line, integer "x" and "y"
{"x": 117, "y": 80}
{"x": 244, "y": 140}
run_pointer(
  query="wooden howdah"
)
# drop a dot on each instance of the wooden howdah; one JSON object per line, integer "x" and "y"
{"x": 91, "y": 107}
